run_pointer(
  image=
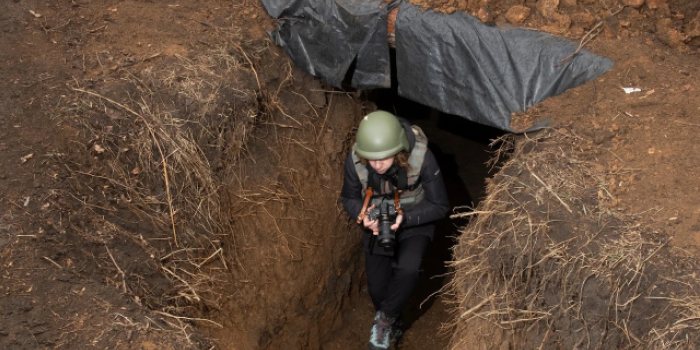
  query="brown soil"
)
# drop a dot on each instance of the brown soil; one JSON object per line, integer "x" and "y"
{"x": 242, "y": 244}
{"x": 618, "y": 165}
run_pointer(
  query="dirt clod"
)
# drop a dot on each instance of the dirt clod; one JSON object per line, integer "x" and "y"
{"x": 486, "y": 15}
{"x": 668, "y": 35}
{"x": 518, "y": 14}
{"x": 655, "y": 4}
{"x": 547, "y": 8}
{"x": 633, "y": 3}
{"x": 583, "y": 19}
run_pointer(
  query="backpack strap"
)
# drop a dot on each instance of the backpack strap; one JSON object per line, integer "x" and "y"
{"x": 360, "y": 169}
{"x": 401, "y": 181}
{"x": 420, "y": 148}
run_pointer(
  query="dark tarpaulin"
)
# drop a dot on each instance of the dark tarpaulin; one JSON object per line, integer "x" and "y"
{"x": 454, "y": 63}
{"x": 324, "y": 37}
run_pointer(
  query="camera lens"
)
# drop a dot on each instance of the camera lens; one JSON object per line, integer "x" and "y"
{"x": 386, "y": 236}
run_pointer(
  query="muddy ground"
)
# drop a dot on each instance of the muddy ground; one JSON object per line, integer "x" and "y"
{"x": 242, "y": 245}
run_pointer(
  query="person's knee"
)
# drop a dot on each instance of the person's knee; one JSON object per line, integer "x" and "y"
{"x": 376, "y": 291}
{"x": 377, "y": 282}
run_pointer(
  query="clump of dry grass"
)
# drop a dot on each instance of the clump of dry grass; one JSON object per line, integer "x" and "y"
{"x": 549, "y": 258}
{"x": 168, "y": 136}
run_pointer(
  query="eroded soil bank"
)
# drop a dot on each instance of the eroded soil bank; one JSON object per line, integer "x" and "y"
{"x": 588, "y": 238}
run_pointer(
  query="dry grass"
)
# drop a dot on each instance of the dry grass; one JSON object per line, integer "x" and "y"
{"x": 548, "y": 250}
{"x": 166, "y": 143}
{"x": 171, "y": 141}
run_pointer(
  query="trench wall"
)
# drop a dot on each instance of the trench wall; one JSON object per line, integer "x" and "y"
{"x": 298, "y": 254}
{"x": 243, "y": 235}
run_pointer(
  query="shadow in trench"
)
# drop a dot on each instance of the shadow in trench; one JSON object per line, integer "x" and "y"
{"x": 462, "y": 150}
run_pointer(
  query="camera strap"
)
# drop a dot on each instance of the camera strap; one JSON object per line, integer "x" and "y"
{"x": 379, "y": 183}
{"x": 374, "y": 182}
{"x": 400, "y": 181}
{"x": 363, "y": 211}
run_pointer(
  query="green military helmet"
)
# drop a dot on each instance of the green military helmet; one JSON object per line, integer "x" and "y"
{"x": 380, "y": 135}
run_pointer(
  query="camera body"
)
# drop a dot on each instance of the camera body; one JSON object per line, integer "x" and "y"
{"x": 386, "y": 214}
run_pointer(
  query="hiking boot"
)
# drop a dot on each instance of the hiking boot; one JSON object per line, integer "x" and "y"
{"x": 397, "y": 330}
{"x": 382, "y": 332}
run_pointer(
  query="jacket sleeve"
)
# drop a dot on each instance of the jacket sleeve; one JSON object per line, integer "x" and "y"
{"x": 351, "y": 193}
{"x": 435, "y": 205}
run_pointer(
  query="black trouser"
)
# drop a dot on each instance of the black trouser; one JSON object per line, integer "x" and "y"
{"x": 391, "y": 285}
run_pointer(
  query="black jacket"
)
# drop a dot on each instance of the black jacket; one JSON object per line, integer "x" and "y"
{"x": 420, "y": 218}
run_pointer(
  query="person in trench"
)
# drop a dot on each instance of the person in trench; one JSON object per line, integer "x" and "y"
{"x": 397, "y": 215}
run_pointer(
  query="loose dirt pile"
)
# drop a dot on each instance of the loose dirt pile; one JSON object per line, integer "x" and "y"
{"x": 555, "y": 264}
{"x": 673, "y": 22}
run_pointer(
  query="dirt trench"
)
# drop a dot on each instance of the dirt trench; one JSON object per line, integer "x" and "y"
{"x": 174, "y": 183}
{"x": 170, "y": 180}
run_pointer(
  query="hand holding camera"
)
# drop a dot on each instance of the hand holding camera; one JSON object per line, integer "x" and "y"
{"x": 371, "y": 224}
{"x": 383, "y": 221}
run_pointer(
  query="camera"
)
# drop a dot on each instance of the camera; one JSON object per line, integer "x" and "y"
{"x": 386, "y": 214}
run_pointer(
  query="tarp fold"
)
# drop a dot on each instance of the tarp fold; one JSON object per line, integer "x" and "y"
{"x": 451, "y": 62}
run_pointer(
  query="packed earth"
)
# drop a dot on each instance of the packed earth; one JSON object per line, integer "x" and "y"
{"x": 169, "y": 179}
